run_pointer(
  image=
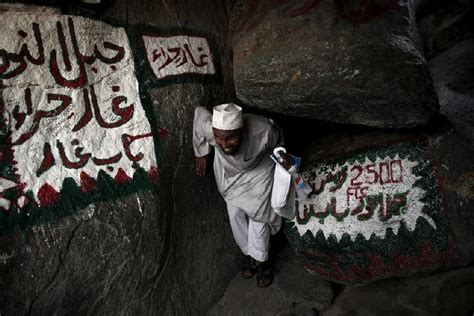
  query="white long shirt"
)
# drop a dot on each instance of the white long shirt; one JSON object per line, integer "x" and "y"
{"x": 244, "y": 179}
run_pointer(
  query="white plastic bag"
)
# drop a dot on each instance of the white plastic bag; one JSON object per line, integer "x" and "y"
{"x": 283, "y": 193}
{"x": 285, "y": 184}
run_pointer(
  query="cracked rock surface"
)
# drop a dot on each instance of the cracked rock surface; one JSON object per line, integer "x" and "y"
{"x": 357, "y": 62}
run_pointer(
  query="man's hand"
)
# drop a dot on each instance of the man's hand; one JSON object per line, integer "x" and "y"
{"x": 201, "y": 165}
{"x": 286, "y": 160}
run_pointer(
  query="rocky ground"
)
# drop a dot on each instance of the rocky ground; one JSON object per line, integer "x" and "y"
{"x": 295, "y": 291}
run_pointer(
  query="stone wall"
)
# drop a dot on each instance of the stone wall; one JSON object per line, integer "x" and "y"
{"x": 101, "y": 211}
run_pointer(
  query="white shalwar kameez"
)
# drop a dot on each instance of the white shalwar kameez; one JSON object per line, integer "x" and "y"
{"x": 244, "y": 179}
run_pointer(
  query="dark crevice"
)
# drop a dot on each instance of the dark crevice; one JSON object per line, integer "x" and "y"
{"x": 168, "y": 228}
{"x": 302, "y": 134}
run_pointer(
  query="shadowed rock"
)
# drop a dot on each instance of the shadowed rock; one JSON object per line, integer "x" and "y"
{"x": 442, "y": 24}
{"x": 447, "y": 293}
{"x": 453, "y": 76}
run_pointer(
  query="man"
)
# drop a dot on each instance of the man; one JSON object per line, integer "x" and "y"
{"x": 244, "y": 175}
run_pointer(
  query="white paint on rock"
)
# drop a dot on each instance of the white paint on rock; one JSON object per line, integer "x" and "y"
{"x": 4, "y": 257}
{"x": 355, "y": 73}
{"x": 178, "y": 55}
{"x": 4, "y": 203}
{"x": 139, "y": 205}
{"x": 6, "y": 184}
{"x": 21, "y": 201}
{"x": 88, "y": 33}
{"x": 90, "y": 211}
{"x": 106, "y": 66}
{"x": 404, "y": 182}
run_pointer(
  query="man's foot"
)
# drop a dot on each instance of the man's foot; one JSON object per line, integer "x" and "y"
{"x": 250, "y": 268}
{"x": 264, "y": 275}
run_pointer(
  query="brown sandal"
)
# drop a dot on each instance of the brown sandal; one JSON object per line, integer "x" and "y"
{"x": 250, "y": 268}
{"x": 264, "y": 275}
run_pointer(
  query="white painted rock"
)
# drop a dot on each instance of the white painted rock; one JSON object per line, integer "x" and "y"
{"x": 381, "y": 208}
{"x": 71, "y": 105}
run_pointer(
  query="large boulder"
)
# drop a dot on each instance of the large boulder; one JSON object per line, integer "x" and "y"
{"x": 386, "y": 205}
{"x": 86, "y": 262}
{"x": 442, "y": 24}
{"x": 453, "y": 73}
{"x": 357, "y": 62}
{"x": 447, "y": 293}
{"x": 101, "y": 210}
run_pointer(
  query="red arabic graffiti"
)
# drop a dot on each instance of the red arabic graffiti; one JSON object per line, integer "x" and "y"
{"x": 81, "y": 158}
{"x": 358, "y": 202}
{"x": 388, "y": 205}
{"x": 386, "y": 172}
{"x": 58, "y": 52}
{"x": 179, "y": 56}
{"x": 64, "y": 100}
{"x": 14, "y": 64}
{"x": 125, "y": 114}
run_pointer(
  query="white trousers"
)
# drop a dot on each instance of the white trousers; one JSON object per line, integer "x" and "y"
{"x": 252, "y": 237}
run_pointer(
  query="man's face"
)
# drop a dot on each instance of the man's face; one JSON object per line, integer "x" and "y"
{"x": 229, "y": 141}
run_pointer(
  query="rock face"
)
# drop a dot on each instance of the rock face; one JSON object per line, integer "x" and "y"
{"x": 442, "y": 24}
{"x": 79, "y": 264}
{"x": 359, "y": 62}
{"x": 453, "y": 73}
{"x": 385, "y": 206}
{"x": 101, "y": 211}
{"x": 446, "y": 293}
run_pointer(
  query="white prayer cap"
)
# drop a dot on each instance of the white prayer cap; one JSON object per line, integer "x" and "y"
{"x": 227, "y": 116}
